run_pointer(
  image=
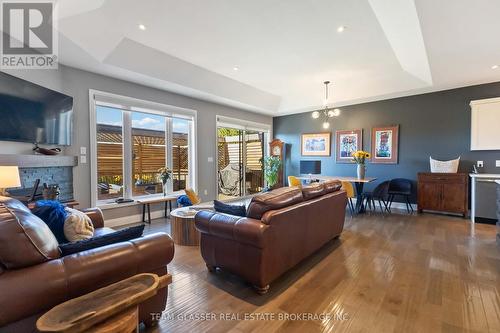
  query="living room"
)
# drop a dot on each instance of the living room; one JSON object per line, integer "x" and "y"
{"x": 337, "y": 169}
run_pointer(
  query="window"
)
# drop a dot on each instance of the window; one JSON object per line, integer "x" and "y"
{"x": 133, "y": 140}
{"x": 180, "y": 150}
{"x": 149, "y": 152}
{"x": 109, "y": 153}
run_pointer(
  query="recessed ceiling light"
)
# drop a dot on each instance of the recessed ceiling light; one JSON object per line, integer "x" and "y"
{"x": 494, "y": 67}
{"x": 142, "y": 27}
{"x": 236, "y": 68}
{"x": 341, "y": 28}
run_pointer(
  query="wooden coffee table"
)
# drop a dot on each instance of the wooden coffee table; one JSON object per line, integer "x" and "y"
{"x": 114, "y": 308}
{"x": 182, "y": 230}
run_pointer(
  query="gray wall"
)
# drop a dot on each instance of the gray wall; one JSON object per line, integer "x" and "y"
{"x": 76, "y": 83}
{"x": 434, "y": 124}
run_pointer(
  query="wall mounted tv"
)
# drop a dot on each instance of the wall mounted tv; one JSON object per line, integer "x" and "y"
{"x": 32, "y": 113}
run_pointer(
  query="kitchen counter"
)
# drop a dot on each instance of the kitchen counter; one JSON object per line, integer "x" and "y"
{"x": 479, "y": 177}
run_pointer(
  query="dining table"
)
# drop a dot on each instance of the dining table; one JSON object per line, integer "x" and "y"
{"x": 359, "y": 184}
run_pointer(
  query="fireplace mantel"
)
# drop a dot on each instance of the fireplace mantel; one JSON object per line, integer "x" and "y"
{"x": 38, "y": 161}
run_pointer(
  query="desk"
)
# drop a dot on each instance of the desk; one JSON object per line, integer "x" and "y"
{"x": 479, "y": 177}
{"x": 358, "y": 183}
{"x": 147, "y": 201}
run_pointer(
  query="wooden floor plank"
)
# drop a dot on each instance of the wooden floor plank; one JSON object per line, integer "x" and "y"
{"x": 394, "y": 273}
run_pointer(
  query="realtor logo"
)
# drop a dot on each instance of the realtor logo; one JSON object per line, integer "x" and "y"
{"x": 29, "y": 38}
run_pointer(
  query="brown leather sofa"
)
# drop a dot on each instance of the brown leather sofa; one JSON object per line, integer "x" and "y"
{"x": 34, "y": 277}
{"x": 282, "y": 228}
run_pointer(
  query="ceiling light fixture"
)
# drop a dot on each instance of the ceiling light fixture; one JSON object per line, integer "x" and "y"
{"x": 142, "y": 27}
{"x": 494, "y": 67}
{"x": 327, "y": 112}
{"x": 236, "y": 68}
{"x": 341, "y": 28}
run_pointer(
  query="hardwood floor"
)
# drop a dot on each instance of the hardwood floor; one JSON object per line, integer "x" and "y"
{"x": 396, "y": 273}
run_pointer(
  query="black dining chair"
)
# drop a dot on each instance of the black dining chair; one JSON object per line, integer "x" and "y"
{"x": 400, "y": 187}
{"x": 380, "y": 194}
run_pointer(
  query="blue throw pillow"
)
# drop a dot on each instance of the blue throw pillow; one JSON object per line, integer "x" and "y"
{"x": 53, "y": 213}
{"x": 184, "y": 201}
{"x": 99, "y": 241}
{"x": 237, "y": 210}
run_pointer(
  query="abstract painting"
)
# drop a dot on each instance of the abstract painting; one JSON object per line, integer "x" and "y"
{"x": 347, "y": 142}
{"x": 385, "y": 144}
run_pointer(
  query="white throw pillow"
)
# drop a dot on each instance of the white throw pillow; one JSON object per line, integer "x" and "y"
{"x": 77, "y": 226}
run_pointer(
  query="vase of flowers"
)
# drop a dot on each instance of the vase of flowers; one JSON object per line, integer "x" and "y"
{"x": 164, "y": 175}
{"x": 359, "y": 158}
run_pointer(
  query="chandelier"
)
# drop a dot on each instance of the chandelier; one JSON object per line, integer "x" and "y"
{"x": 327, "y": 112}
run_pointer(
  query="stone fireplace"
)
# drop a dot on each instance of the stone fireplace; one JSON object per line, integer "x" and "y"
{"x": 49, "y": 169}
{"x": 62, "y": 176}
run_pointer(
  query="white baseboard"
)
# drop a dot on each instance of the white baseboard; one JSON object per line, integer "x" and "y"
{"x": 132, "y": 219}
{"x": 402, "y": 206}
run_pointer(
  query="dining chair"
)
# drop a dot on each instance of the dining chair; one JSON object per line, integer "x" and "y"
{"x": 349, "y": 189}
{"x": 294, "y": 181}
{"x": 400, "y": 187}
{"x": 381, "y": 194}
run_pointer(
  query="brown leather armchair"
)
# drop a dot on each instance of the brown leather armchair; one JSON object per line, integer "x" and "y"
{"x": 282, "y": 228}
{"x": 34, "y": 277}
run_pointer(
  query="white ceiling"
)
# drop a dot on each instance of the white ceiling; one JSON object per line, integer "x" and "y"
{"x": 285, "y": 49}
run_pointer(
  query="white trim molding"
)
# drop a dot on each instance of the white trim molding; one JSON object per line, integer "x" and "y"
{"x": 224, "y": 121}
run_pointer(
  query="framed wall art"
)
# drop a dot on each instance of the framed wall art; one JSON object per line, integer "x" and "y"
{"x": 316, "y": 144}
{"x": 385, "y": 144}
{"x": 346, "y": 143}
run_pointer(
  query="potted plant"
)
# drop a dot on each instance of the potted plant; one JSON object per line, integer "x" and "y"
{"x": 164, "y": 175}
{"x": 272, "y": 166}
{"x": 359, "y": 158}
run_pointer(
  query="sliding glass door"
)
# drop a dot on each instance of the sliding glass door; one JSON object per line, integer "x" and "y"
{"x": 254, "y": 161}
{"x": 229, "y": 162}
{"x": 240, "y": 155}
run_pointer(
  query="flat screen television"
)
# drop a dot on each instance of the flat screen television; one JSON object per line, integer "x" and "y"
{"x": 32, "y": 113}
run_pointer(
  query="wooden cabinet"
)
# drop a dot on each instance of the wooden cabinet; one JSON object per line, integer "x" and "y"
{"x": 443, "y": 192}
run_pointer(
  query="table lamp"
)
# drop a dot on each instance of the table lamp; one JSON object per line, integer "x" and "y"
{"x": 9, "y": 177}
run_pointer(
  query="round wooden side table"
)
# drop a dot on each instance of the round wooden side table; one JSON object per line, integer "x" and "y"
{"x": 182, "y": 227}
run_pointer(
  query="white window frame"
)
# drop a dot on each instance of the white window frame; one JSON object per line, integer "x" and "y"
{"x": 138, "y": 105}
{"x": 240, "y": 124}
